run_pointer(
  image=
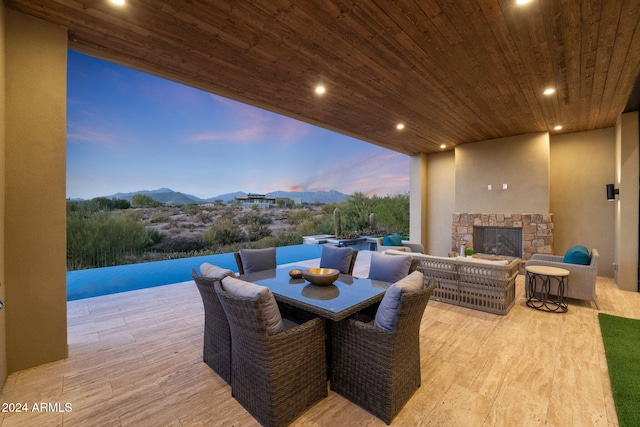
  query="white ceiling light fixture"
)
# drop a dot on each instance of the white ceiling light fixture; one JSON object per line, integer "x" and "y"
{"x": 521, "y": 2}
{"x": 400, "y": 126}
{"x": 549, "y": 91}
{"x": 117, "y": 2}
{"x": 443, "y": 146}
{"x": 558, "y": 127}
{"x": 320, "y": 90}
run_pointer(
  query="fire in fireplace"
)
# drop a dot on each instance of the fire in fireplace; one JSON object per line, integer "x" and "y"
{"x": 505, "y": 241}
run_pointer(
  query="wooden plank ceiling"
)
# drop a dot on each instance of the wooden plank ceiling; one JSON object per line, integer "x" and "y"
{"x": 453, "y": 71}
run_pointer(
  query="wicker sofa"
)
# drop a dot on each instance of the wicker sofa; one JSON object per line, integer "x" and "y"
{"x": 476, "y": 283}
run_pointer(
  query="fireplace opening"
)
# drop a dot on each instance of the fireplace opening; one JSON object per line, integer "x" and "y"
{"x": 506, "y": 241}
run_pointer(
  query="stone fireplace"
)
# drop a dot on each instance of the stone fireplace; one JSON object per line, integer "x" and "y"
{"x": 536, "y": 231}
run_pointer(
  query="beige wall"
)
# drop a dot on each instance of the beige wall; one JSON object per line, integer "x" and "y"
{"x": 3, "y": 332}
{"x": 582, "y": 164}
{"x": 418, "y": 198}
{"x": 441, "y": 202}
{"x": 35, "y": 226}
{"x": 521, "y": 162}
{"x": 575, "y": 169}
{"x": 626, "y": 213}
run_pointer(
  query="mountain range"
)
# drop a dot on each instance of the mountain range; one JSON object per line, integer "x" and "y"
{"x": 168, "y": 196}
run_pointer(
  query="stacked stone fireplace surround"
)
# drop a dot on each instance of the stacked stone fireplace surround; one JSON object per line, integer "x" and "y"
{"x": 537, "y": 230}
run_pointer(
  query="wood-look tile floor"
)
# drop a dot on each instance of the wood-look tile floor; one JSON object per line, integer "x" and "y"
{"x": 135, "y": 359}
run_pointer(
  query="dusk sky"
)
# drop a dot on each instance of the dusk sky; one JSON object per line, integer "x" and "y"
{"x": 130, "y": 131}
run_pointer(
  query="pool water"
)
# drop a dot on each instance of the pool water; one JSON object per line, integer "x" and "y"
{"x": 122, "y": 278}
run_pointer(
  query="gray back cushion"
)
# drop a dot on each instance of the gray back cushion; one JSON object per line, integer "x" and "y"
{"x": 389, "y": 268}
{"x": 258, "y": 259}
{"x": 215, "y": 272}
{"x": 387, "y": 313}
{"x": 335, "y": 257}
{"x": 266, "y": 301}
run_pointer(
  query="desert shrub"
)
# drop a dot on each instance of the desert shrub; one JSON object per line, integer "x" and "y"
{"x": 180, "y": 244}
{"x": 223, "y": 232}
{"x": 307, "y": 228}
{"x": 204, "y": 216}
{"x": 279, "y": 239}
{"x": 159, "y": 217}
{"x": 299, "y": 216}
{"x": 254, "y": 218}
{"x": 105, "y": 233}
{"x": 392, "y": 213}
{"x": 191, "y": 209}
{"x": 257, "y": 232}
{"x": 144, "y": 201}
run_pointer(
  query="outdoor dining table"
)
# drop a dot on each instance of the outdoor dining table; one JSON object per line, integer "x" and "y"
{"x": 346, "y": 296}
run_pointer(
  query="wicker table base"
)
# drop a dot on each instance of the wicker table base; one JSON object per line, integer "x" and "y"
{"x": 540, "y": 297}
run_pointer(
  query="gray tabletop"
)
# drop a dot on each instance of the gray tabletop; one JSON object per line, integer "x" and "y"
{"x": 344, "y": 297}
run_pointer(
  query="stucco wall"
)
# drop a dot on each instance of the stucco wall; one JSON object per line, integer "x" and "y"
{"x": 35, "y": 225}
{"x": 3, "y": 332}
{"x": 575, "y": 169}
{"x": 582, "y": 164}
{"x": 626, "y": 214}
{"x": 521, "y": 162}
{"x": 441, "y": 202}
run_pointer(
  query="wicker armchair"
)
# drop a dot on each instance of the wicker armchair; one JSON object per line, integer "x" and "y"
{"x": 378, "y": 369}
{"x": 274, "y": 377}
{"x": 582, "y": 278}
{"x": 216, "y": 351}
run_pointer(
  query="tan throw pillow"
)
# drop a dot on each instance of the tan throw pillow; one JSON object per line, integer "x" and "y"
{"x": 215, "y": 272}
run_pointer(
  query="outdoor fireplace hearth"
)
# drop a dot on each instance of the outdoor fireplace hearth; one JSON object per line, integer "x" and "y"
{"x": 506, "y": 241}
{"x": 536, "y": 231}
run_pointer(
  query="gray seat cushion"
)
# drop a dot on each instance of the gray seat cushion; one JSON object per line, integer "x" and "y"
{"x": 335, "y": 257}
{"x": 389, "y": 268}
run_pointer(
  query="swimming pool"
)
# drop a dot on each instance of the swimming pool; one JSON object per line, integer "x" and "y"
{"x": 110, "y": 280}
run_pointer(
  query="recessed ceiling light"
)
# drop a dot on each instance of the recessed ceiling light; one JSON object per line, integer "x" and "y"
{"x": 400, "y": 126}
{"x": 118, "y": 2}
{"x": 443, "y": 146}
{"x": 549, "y": 91}
{"x": 557, "y": 127}
{"x": 320, "y": 90}
{"x": 522, "y": 1}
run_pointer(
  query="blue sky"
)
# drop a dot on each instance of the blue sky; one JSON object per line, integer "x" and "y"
{"x": 130, "y": 131}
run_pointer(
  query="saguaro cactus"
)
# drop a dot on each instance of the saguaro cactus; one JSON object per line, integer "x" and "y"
{"x": 337, "y": 226}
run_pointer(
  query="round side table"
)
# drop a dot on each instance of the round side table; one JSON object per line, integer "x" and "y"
{"x": 539, "y": 291}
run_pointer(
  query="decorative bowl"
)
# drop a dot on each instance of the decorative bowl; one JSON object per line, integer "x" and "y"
{"x": 295, "y": 274}
{"x": 321, "y": 276}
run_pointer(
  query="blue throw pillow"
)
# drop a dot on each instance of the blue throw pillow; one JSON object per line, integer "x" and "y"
{"x": 577, "y": 255}
{"x": 389, "y": 268}
{"x": 258, "y": 259}
{"x": 335, "y": 257}
{"x": 387, "y": 313}
{"x": 392, "y": 240}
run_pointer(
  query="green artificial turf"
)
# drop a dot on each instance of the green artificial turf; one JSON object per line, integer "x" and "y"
{"x": 621, "y": 339}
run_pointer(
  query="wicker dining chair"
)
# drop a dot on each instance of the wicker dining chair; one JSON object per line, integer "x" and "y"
{"x": 275, "y": 377}
{"x": 379, "y": 369}
{"x": 216, "y": 352}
